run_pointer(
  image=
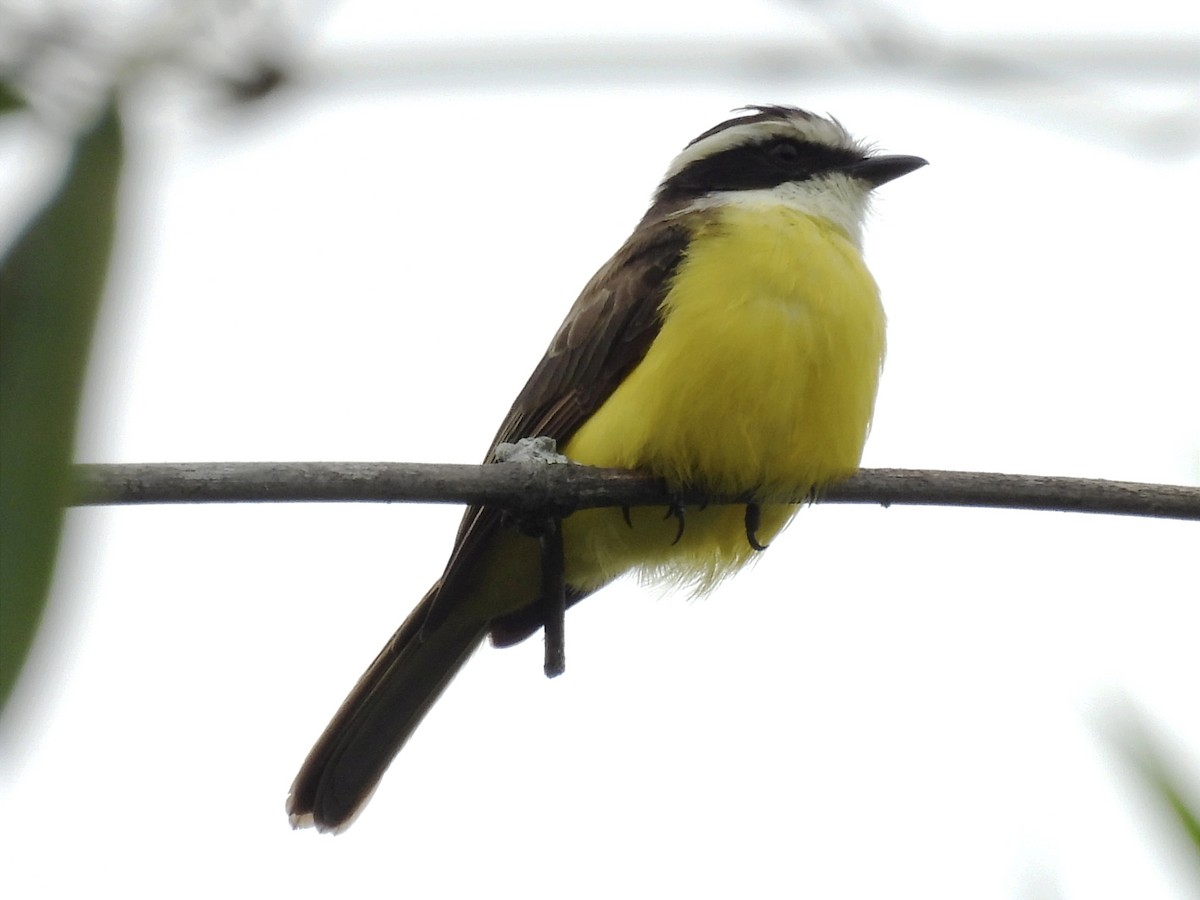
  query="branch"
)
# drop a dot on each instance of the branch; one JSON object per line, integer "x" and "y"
{"x": 525, "y": 487}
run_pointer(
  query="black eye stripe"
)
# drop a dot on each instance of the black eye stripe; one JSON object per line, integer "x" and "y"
{"x": 752, "y": 166}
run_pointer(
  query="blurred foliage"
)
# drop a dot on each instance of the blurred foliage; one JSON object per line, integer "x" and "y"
{"x": 9, "y": 99}
{"x": 1184, "y": 811}
{"x": 59, "y": 63}
{"x": 51, "y": 282}
{"x": 1146, "y": 752}
{"x": 1167, "y": 784}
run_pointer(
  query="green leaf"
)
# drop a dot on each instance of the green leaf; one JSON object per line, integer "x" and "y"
{"x": 1168, "y": 785}
{"x": 50, "y": 287}
{"x": 9, "y": 99}
{"x": 1145, "y": 752}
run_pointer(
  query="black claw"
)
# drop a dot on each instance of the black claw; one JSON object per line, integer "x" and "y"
{"x": 676, "y": 510}
{"x": 625, "y": 515}
{"x": 753, "y": 520}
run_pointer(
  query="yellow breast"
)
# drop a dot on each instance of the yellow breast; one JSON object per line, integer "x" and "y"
{"x": 763, "y": 378}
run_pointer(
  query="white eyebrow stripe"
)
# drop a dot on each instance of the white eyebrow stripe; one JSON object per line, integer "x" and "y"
{"x": 814, "y": 129}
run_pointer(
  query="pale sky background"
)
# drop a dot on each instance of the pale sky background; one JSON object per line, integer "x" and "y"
{"x": 900, "y": 703}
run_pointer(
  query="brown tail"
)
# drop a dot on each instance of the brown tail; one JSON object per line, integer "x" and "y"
{"x": 373, "y": 723}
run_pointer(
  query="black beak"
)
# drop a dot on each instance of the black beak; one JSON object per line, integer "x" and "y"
{"x": 877, "y": 170}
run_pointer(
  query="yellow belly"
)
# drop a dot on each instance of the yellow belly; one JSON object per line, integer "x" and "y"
{"x": 762, "y": 379}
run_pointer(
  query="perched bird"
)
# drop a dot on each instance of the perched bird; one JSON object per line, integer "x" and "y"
{"x": 733, "y": 345}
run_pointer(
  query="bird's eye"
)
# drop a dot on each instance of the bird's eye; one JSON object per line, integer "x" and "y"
{"x": 786, "y": 153}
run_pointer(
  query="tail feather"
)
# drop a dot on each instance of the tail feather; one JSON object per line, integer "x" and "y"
{"x": 373, "y": 723}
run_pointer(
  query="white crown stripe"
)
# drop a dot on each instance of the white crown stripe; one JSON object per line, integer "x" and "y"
{"x": 802, "y": 126}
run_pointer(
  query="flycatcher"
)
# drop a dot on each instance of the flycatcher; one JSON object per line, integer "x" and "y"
{"x": 732, "y": 345}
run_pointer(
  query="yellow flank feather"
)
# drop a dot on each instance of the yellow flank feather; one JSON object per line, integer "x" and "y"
{"x": 762, "y": 379}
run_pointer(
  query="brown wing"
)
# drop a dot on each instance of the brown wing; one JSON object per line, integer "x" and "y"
{"x": 606, "y": 334}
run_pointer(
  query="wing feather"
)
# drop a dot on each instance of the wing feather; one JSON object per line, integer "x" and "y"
{"x": 604, "y": 336}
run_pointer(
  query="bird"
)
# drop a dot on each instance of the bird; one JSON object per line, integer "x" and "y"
{"x": 732, "y": 345}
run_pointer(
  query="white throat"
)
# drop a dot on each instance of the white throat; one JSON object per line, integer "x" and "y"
{"x": 837, "y": 198}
